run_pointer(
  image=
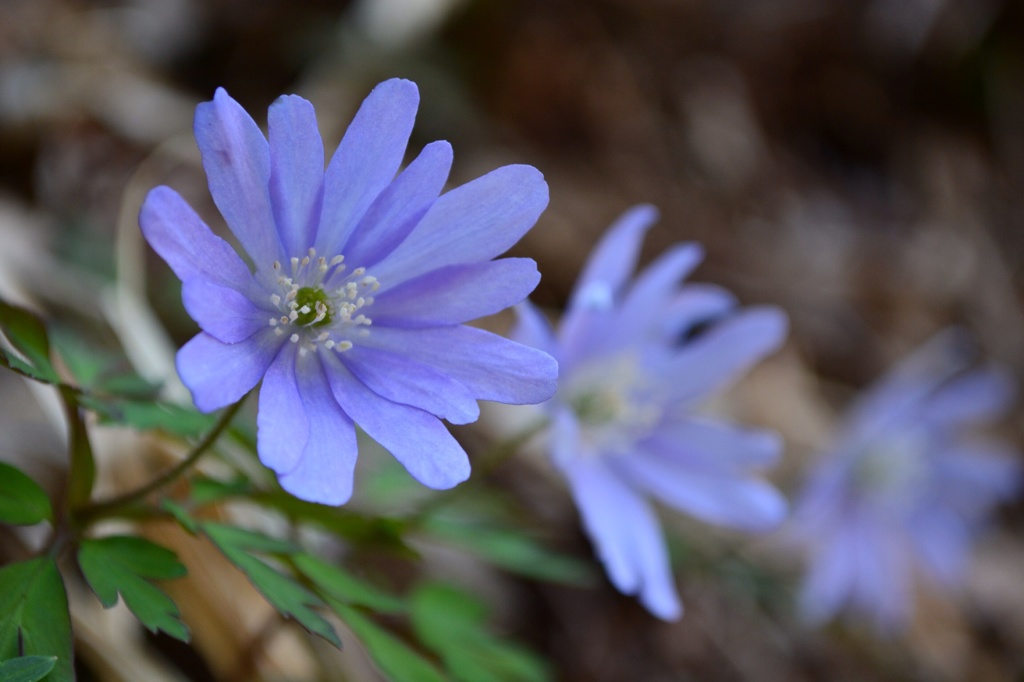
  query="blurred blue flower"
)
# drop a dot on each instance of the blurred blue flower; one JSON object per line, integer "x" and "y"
{"x": 333, "y": 251}
{"x": 636, "y": 359}
{"x": 903, "y": 488}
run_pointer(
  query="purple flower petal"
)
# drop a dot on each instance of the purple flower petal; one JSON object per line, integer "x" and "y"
{"x": 713, "y": 446}
{"x": 626, "y": 535}
{"x": 416, "y": 438}
{"x": 397, "y": 378}
{"x": 491, "y": 367}
{"x": 605, "y": 274}
{"x": 533, "y": 329}
{"x": 695, "y": 304}
{"x": 613, "y": 259}
{"x": 184, "y": 241}
{"x": 222, "y": 313}
{"x": 475, "y": 222}
{"x": 979, "y": 396}
{"x": 366, "y": 161}
{"x": 642, "y": 311}
{"x": 717, "y": 497}
{"x": 282, "y": 427}
{"x": 236, "y": 157}
{"x": 325, "y": 470}
{"x": 719, "y": 357}
{"x": 219, "y": 374}
{"x": 456, "y": 294}
{"x": 399, "y": 208}
{"x": 296, "y": 172}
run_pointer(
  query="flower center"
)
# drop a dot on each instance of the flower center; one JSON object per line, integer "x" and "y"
{"x": 320, "y": 302}
{"x": 614, "y": 402}
{"x": 894, "y": 470}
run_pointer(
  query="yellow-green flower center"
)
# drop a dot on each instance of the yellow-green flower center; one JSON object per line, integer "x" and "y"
{"x": 313, "y": 306}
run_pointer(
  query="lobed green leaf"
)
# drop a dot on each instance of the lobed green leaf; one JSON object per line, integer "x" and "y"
{"x": 34, "y": 618}
{"x": 287, "y": 596}
{"x": 331, "y": 581}
{"x": 124, "y": 565}
{"x": 398, "y": 661}
{"x": 451, "y": 623}
{"x": 22, "y": 501}
{"x": 512, "y": 550}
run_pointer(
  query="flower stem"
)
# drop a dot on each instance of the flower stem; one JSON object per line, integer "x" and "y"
{"x": 112, "y": 506}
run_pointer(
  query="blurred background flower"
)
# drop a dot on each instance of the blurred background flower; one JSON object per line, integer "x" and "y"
{"x": 903, "y": 489}
{"x": 859, "y": 164}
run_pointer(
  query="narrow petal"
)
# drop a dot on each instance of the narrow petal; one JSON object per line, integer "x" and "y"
{"x": 219, "y": 374}
{"x": 709, "y": 445}
{"x": 725, "y": 499}
{"x": 829, "y": 580}
{"x": 605, "y": 275}
{"x": 416, "y": 438}
{"x": 296, "y": 172}
{"x": 533, "y": 329}
{"x": 222, "y": 313}
{"x": 325, "y": 470}
{"x": 979, "y": 396}
{"x": 626, "y": 535}
{"x": 401, "y": 380}
{"x": 900, "y": 394}
{"x": 613, "y": 259}
{"x": 695, "y": 304}
{"x": 456, "y": 294}
{"x": 183, "y": 240}
{"x": 236, "y": 157}
{"x": 943, "y": 542}
{"x": 475, "y": 222}
{"x": 491, "y": 367}
{"x": 282, "y": 428}
{"x": 399, "y": 208}
{"x": 975, "y": 477}
{"x": 366, "y": 160}
{"x": 725, "y": 352}
{"x": 644, "y": 305}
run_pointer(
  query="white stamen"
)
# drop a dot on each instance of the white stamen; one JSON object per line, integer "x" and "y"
{"x": 294, "y": 338}
{"x": 343, "y": 346}
{"x": 275, "y": 299}
{"x": 329, "y": 344}
{"x": 273, "y": 322}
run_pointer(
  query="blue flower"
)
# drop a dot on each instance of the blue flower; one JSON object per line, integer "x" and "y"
{"x": 902, "y": 488}
{"x": 352, "y": 312}
{"x": 636, "y": 360}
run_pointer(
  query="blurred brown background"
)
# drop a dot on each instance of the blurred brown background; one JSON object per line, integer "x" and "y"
{"x": 859, "y": 163}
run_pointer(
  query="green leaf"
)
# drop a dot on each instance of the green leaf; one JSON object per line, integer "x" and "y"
{"x": 27, "y": 668}
{"x": 82, "y": 470}
{"x": 146, "y": 416}
{"x": 397, "y": 660}
{"x": 180, "y": 515}
{"x": 34, "y": 618}
{"x": 451, "y": 623}
{"x": 22, "y": 501}
{"x": 332, "y": 581}
{"x": 125, "y": 564}
{"x": 284, "y": 594}
{"x": 512, "y": 550}
{"x": 27, "y": 334}
{"x": 362, "y": 531}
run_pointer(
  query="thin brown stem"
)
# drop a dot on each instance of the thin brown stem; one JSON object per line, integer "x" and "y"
{"x": 110, "y": 507}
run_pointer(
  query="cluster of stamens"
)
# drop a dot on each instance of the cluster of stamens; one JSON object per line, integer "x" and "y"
{"x": 306, "y": 304}
{"x": 613, "y": 402}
